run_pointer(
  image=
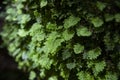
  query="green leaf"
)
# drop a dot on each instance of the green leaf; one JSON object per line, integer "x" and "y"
{"x": 71, "y": 65}
{"x": 43, "y": 3}
{"x": 118, "y": 65}
{"x": 37, "y": 32}
{"x": 90, "y": 64}
{"x": 100, "y": 78}
{"x": 83, "y": 31}
{"x": 71, "y": 21}
{"x": 66, "y": 54}
{"x": 37, "y": 16}
{"x": 10, "y": 10}
{"x": 78, "y": 48}
{"x": 52, "y": 43}
{"x": 38, "y": 37}
{"x": 97, "y": 22}
{"x": 51, "y": 46}
{"x": 92, "y": 54}
{"x": 84, "y": 76}
{"x": 101, "y": 5}
{"x": 53, "y": 78}
{"x": 64, "y": 73}
{"x": 107, "y": 41}
{"x": 108, "y": 17}
{"x": 67, "y": 35}
{"x": 32, "y": 75}
{"x": 56, "y": 44}
{"x": 51, "y": 26}
{"x": 117, "y": 17}
{"x": 36, "y": 27}
{"x": 45, "y": 62}
{"x": 19, "y": 6}
{"x": 99, "y": 66}
{"x": 111, "y": 76}
{"x": 23, "y": 19}
{"x": 42, "y": 73}
{"x": 24, "y": 55}
{"x": 12, "y": 47}
{"x": 16, "y": 52}
{"x": 22, "y": 33}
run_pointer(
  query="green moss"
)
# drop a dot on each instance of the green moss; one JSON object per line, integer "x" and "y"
{"x": 65, "y": 39}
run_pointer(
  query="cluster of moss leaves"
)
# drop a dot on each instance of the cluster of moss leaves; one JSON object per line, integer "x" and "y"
{"x": 65, "y": 39}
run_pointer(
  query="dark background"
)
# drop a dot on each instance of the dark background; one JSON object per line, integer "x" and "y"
{"x": 8, "y": 67}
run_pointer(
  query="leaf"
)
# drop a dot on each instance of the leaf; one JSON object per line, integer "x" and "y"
{"x": 51, "y": 46}
{"x": 36, "y": 27}
{"x": 38, "y": 37}
{"x": 43, "y": 3}
{"x": 92, "y": 54}
{"x": 22, "y": 33}
{"x": 108, "y": 17}
{"x": 37, "y": 32}
{"x": 52, "y": 43}
{"x": 117, "y": 17}
{"x": 51, "y": 26}
{"x": 67, "y": 35}
{"x": 20, "y": 6}
{"x": 84, "y": 76}
{"x": 78, "y": 48}
{"x": 56, "y": 44}
{"x": 37, "y": 16}
{"x": 16, "y": 52}
{"x": 99, "y": 66}
{"x": 12, "y": 47}
{"x": 107, "y": 41}
{"x": 24, "y": 55}
{"x": 66, "y": 54}
{"x": 23, "y": 19}
{"x": 118, "y": 65}
{"x": 71, "y": 65}
{"x": 10, "y": 10}
{"x": 42, "y": 73}
{"x": 45, "y": 62}
{"x": 90, "y": 64}
{"x": 111, "y": 76}
{"x": 83, "y": 31}
{"x": 71, "y": 21}
{"x": 65, "y": 74}
{"x": 101, "y": 5}
{"x": 53, "y": 78}
{"x": 32, "y": 75}
{"x": 97, "y": 22}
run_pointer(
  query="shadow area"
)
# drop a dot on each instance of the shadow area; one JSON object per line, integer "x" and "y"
{"x": 8, "y": 67}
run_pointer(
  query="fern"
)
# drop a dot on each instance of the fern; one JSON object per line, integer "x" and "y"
{"x": 71, "y": 21}
{"x": 64, "y": 39}
{"x": 84, "y": 76}
{"x": 98, "y": 67}
{"x": 92, "y": 54}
